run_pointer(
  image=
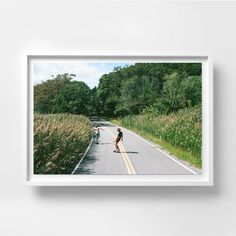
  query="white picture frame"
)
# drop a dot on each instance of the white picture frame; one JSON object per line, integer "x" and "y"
{"x": 203, "y": 179}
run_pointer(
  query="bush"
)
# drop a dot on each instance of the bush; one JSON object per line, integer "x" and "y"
{"x": 60, "y": 140}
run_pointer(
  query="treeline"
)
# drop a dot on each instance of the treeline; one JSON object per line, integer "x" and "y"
{"x": 160, "y": 88}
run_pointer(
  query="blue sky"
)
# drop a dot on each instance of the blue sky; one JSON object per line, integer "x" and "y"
{"x": 87, "y": 72}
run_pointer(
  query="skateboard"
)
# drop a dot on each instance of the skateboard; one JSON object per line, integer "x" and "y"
{"x": 116, "y": 151}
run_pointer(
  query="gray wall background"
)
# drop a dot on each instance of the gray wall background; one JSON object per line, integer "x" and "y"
{"x": 138, "y": 26}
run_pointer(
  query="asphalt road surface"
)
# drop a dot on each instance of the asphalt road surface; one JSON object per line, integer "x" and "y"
{"x": 137, "y": 156}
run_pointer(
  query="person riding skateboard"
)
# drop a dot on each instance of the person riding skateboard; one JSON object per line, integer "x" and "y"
{"x": 118, "y": 138}
{"x": 97, "y": 132}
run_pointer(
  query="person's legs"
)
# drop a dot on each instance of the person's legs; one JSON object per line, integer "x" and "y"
{"x": 97, "y": 136}
{"x": 117, "y": 147}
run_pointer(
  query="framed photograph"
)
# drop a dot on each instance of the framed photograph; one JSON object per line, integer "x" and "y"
{"x": 112, "y": 119}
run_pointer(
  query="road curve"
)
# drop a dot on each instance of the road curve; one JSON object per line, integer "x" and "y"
{"x": 137, "y": 156}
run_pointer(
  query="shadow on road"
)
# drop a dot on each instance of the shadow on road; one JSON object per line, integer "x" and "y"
{"x": 98, "y": 121}
{"x": 83, "y": 169}
{"x": 90, "y": 158}
{"x": 132, "y": 152}
{"x": 103, "y": 124}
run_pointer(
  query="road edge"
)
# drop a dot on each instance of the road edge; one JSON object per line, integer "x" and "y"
{"x": 77, "y": 166}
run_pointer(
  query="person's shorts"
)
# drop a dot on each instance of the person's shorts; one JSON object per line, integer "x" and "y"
{"x": 117, "y": 140}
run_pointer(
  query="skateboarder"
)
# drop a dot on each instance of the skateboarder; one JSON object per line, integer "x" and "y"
{"x": 118, "y": 138}
{"x": 97, "y": 132}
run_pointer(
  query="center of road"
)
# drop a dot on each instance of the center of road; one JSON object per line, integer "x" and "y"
{"x": 127, "y": 161}
{"x": 128, "y": 164}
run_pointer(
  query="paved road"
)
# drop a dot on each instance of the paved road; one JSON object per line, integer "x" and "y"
{"x": 137, "y": 156}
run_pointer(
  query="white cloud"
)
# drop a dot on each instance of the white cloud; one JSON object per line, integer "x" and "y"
{"x": 87, "y": 72}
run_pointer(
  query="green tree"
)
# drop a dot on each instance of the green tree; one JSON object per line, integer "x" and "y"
{"x": 92, "y": 105}
{"x": 132, "y": 89}
{"x": 45, "y": 92}
{"x": 179, "y": 91}
{"x": 73, "y": 98}
{"x": 108, "y": 92}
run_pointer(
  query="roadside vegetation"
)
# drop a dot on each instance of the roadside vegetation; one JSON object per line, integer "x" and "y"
{"x": 60, "y": 141}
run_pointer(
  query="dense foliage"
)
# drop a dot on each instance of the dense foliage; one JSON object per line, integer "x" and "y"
{"x": 73, "y": 98}
{"x": 161, "y": 88}
{"x": 45, "y": 92}
{"x": 59, "y": 142}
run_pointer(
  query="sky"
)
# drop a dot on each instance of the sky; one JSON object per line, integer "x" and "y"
{"x": 86, "y": 72}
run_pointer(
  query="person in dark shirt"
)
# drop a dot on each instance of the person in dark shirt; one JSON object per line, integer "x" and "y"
{"x": 118, "y": 138}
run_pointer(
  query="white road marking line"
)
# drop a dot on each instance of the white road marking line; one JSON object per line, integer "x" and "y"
{"x": 77, "y": 166}
{"x": 167, "y": 155}
{"x": 173, "y": 159}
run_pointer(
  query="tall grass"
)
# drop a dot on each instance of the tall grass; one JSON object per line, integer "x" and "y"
{"x": 182, "y": 130}
{"x": 59, "y": 142}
